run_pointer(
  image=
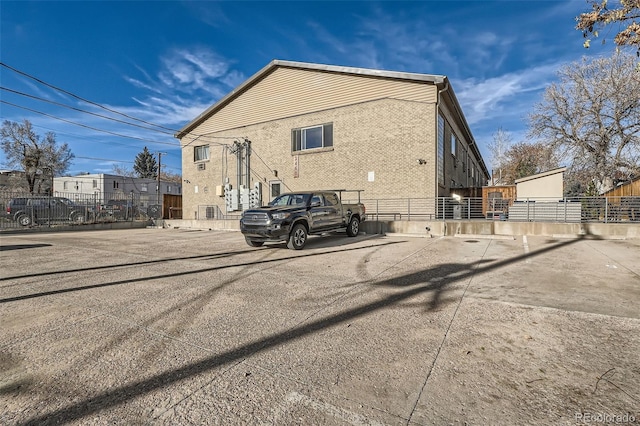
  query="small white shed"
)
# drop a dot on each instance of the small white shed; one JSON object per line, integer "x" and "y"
{"x": 540, "y": 198}
{"x": 545, "y": 186}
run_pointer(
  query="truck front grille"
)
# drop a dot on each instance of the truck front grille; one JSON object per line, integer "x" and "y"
{"x": 256, "y": 218}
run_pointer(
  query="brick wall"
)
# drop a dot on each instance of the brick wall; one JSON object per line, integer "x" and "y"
{"x": 386, "y": 137}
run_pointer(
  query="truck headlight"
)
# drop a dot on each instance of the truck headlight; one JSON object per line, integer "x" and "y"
{"x": 280, "y": 216}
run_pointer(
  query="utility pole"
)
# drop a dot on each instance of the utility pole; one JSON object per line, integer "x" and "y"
{"x": 159, "y": 169}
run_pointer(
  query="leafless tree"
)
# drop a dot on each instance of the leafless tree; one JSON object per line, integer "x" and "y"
{"x": 498, "y": 148}
{"x": 121, "y": 170}
{"x": 523, "y": 159}
{"x": 40, "y": 158}
{"x": 591, "y": 118}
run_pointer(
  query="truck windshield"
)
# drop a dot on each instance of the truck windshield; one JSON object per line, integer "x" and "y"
{"x": 291, "y": 200}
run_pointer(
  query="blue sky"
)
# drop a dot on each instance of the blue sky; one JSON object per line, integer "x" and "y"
{"x": 164, "y": 62}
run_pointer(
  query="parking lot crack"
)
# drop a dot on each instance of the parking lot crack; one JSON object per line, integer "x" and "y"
{"x": 446, "y": 333}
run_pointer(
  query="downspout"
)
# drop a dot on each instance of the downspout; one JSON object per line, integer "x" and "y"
{"x": 247, "y": 156}
{"x": 444, "y": 89}
{"x": 238, "y": 153}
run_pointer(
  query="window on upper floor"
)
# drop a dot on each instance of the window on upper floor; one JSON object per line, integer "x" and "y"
{"x": 312, "y": 137}
{"x": 454, "y": 145}
{"x": 201, "y": 153}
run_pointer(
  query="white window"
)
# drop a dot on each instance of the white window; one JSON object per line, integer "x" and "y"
{"x": 275, "y": 189}
{"x": 312, "y": 137}
{"x": 95, "y": 183}
{"x": 454, "y": 144}
{"x": 201, "y": 153}
{"x": 144, "y": 188}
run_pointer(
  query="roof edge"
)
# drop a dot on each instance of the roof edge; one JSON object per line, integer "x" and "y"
{"x": 543, "y": 174}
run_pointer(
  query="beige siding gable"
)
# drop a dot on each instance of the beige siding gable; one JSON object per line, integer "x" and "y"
{"x": 288, "y": 92}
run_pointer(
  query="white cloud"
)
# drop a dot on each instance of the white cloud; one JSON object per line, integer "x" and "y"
{"x": 189, "y": 81}
{"x": 486, "y": 99}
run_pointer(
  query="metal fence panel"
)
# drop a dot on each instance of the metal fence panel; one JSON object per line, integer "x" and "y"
{"x": 566, "y": 210}
{"x": 63, "y": 209}
{"x": 32, "y": 210}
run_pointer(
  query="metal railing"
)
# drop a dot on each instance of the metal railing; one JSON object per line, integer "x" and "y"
{"x": 82, "y": 208}
{"x": 539, "y": 209}
{"x": 19, "y": 210}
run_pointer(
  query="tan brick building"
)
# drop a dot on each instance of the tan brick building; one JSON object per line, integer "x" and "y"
{"x": 311, "y": 126}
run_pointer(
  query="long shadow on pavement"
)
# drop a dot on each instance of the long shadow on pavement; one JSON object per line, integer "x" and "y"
{"x": 176, "y": 274}
{"x": 443, "y": 276}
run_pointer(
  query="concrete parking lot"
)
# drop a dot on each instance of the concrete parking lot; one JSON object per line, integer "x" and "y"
{"x": 177, "y": 326}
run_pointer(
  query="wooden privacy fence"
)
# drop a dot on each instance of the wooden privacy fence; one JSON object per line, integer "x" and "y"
{"x": 631, "y": 189}
{"x": 171, "y": 206}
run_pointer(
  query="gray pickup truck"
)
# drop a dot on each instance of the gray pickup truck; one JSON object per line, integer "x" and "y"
{"x": 292, "y": 217}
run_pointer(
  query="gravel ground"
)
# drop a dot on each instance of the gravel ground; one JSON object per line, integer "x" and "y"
{"x": 176, "y": 326}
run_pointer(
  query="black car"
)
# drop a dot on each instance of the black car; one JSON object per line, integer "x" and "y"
{"x": 41, "y": 209}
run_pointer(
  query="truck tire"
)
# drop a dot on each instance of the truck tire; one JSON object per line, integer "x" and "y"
{"x": 253, "y": 243}
{"x": 77, "y": 218}
{"x": 354, "y": 227}
{"x": 298, "y": 237}
{"x": 24, "y": 220}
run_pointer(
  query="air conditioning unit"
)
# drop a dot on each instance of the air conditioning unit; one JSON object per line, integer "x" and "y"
{"x": 202, "y": 166}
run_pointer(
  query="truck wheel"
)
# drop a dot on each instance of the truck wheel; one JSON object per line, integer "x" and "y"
{"x": 24, "y": 220}
{"x": 77, "y": 218}
{"x": 298, "y": 237}
{"x": 354, "y": 227}
{"x": 253, "y": 243}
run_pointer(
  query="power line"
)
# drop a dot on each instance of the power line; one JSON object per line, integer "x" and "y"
{"x": 84, "y": 111}
{"x": 164, "y": 166}
{"x": 105, "y": 159}
{"x": 82, "y": 99}
{"x": 173, "y": 131}
{"x": 101, "y": 142}
{"x": 85, "y": 126}
{"x": 167, "y": 130}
